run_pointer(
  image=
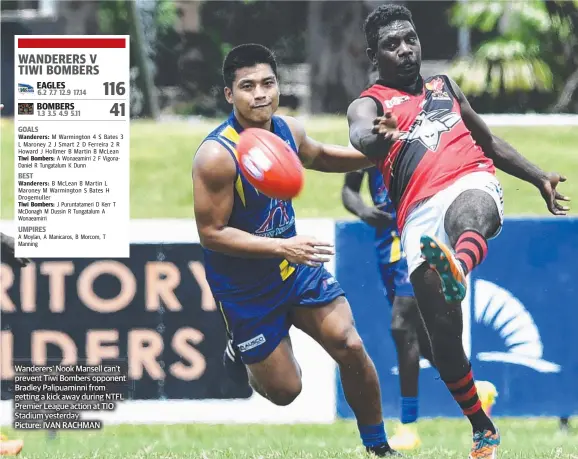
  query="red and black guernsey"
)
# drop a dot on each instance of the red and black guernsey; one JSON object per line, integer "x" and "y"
{"x": 435, "y": 149}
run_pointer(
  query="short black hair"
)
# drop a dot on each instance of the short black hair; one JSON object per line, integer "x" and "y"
{"x": 247, "y": 55}
{"x": 382, "y": 16}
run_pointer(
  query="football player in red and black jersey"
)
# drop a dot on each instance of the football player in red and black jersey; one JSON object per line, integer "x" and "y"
{"x": 438, "y": 160}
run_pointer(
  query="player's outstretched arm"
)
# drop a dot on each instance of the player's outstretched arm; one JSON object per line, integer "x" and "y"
{"x": 324, "y": 157}
{"x": 353, "y": 202}
{"x": 214, "y": 174}
{"x": 369, "y": 133}
{"x": 508, "y": 159}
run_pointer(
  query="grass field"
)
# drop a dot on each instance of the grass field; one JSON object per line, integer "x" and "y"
{"x": 442, "y": 439}
{"x": 161, "y": 157}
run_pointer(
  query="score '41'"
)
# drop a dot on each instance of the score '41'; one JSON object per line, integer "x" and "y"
{"x": 118, "y": 109}
{"x": 117, "y": 88}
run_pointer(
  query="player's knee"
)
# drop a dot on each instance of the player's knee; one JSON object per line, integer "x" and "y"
{"x": 285, "y": 395}
{"x": 353, "y": 342}
{"x": 400, "y": 334}
{"x": 404, "y": 315}
{"x": 472, "y": 210}
{"x": 400, "y": 326}
{"x": 345, "y": 342}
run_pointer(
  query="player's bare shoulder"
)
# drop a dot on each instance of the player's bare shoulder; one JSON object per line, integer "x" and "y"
{"x": 360, "y": 109}
{"x": 214, "y": 164}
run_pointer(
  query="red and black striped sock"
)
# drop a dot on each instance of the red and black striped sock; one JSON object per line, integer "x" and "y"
{"x": 465, "y": 393}
{"x": 471, "y": 249}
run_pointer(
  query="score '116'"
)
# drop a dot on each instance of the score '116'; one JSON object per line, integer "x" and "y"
{"x": 114, "y": 88}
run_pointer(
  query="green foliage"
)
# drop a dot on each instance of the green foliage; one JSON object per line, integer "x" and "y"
{"x": 114, "y": 17}
{"x": 521, "y": 58}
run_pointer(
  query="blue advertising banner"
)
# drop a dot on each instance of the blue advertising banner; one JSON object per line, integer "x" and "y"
{"x": 520, "y": 320}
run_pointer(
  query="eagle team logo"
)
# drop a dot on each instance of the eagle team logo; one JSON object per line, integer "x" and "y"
{"x": 24, "y": 88}
{"x": 429, "y": 127}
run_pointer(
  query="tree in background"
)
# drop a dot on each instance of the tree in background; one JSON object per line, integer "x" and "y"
{"x": 336, "y": 54}
{"x": 146, "y": 22}
{"x": 534, "y": 51}
{"x": 569, "y": 48}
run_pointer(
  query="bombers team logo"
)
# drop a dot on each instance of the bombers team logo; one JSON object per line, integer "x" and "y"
{"x": 429, "y": 127}
{"x": 25, "y": 108}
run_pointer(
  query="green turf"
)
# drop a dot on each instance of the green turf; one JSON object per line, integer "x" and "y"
{"x": 161, "y": 157}
{"x": 442, "y": 439}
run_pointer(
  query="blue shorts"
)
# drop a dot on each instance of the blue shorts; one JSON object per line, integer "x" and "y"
{"x": 395, "y": 279}
{"x": 258, "y": 324}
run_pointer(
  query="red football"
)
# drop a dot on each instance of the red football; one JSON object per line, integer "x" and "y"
{"x": 270, "y": 164}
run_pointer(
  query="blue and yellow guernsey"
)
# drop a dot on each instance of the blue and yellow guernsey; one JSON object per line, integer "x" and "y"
{"x": 233, "y": 277}
{"x": 387, "y": 241}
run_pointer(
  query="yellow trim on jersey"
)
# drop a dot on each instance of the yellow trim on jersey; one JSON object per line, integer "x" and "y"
{"x": 286, "y": 269}
{"x": 240, "y": 189}
{"x": 395, "y": 253}
{"x": 231, "y": 135}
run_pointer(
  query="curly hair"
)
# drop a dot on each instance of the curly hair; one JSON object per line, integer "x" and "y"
{"x": 382, "y": 16}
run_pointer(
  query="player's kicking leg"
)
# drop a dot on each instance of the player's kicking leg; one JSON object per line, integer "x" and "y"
{"x": 467, "y": 217}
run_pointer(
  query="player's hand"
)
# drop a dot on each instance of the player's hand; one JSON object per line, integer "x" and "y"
{"x": 305, "y": 250}
{"x": 376, "y": 217}
{"x": 552, "y": 196}
{"x": 8, "y": 251}
{"x": 386, "y": 126}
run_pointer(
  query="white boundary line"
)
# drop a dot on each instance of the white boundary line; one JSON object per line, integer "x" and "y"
{"x": 530, "y": 119}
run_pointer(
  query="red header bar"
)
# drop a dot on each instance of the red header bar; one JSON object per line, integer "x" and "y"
{"x": 71, "y": 42}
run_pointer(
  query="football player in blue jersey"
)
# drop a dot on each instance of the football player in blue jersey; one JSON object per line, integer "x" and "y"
{"x": 266, "y": 278}
{"x": 406, "y": 326}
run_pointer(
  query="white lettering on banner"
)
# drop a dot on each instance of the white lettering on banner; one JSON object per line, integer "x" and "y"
{"x": 160, "y": 282}
{"x": 496, "y": 307}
